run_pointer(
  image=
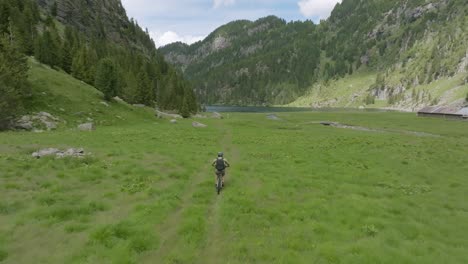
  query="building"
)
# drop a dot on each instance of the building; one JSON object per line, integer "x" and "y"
{"x": 444, "y": 112}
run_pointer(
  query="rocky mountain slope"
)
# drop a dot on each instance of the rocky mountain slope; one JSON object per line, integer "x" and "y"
{"x": 105, "y": 18}
{"x": 393, "y": 53}
{"x": 95, "y": 42}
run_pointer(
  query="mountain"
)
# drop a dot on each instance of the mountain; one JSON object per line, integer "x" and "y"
{"x": 95, "y": 42}
{"x": 381, "y": 53}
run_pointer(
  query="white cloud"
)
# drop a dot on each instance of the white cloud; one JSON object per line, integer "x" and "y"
{"x": 162, "y": 39}
{"x": 220, "y": 3}
{"x": 317, "y": 8}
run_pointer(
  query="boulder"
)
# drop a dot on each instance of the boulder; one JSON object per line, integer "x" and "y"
{"x": 273, "y": 117}
{"x": 173, "y": 121}
{"x": 118, "y": 99}
{"x": 36, "y": 121}
{"x": 45, "y": 152}
{"x": 105, "y": 104}
{"x": 87, "y": 127}
{"x": 139, "y": 105}
{"x": 24, "y": 123}
{"x": 198, "y": 125}
{"x": 216, "y": 115}
{"x": 76, "y": 153}
{"x": 72, "y": 152}
{"x": 160, "y": 114}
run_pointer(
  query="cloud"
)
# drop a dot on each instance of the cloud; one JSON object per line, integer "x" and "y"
{"x": 162, "y": 39}
{"x": 320, "y": 9}
{"x": 220, "y": 3}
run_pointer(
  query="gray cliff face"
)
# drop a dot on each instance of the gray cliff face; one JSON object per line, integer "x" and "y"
{"x": 106, "y": 17}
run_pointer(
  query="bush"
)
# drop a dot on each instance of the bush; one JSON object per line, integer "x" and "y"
{"x": 370, "y": 99}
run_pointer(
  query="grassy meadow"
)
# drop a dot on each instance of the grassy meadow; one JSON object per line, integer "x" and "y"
{"x": 297, "y": 192}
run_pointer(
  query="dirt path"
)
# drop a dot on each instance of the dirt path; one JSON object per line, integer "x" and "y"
{"x": 168, "y": 230}
{"x": 213, "y": 251}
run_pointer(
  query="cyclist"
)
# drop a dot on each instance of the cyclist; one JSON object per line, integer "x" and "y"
{"x": 220, "y": 164}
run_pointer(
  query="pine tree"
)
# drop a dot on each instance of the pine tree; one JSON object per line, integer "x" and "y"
{"x": 53, "y": 9}
{"x": 13, "y": 82}
{"x": 106, "y": 78}
{"x": 144, "y": 91}
{"x": 185, "y": 109}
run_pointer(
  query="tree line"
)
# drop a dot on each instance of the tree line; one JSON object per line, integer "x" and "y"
{"x": 137, "y": 74}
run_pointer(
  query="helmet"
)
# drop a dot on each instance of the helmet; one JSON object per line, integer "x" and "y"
{"x": 220, "y": 154}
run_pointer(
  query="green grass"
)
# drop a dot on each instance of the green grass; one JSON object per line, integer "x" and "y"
{"x": 297, "y": 192}
{"x": 345, "y": 92}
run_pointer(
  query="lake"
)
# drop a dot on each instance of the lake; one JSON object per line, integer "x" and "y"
{"x": 266, "y": 109}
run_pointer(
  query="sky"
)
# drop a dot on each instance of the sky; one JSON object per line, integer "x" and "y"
{"x": 192, "y": 20}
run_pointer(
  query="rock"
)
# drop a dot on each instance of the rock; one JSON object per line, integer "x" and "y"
{"x": 273, "y": 117}
{"x": 199, "y": 116}
{"x": 173, "y": 121}
{"x": 216, "y": 115}
{"x": 160, "y": 114}
{"x": 71, "y": 153}
{"x": 48, "y": 120}
{"x": 105, "y": 104}
{"x": 45, "y": 152}
{"x": 362, "y": 107}
{"x": 46, "y": 116}
{"x": 118, "y": 99}
{"x": 198, "y": 125}
{"x": 37, "y": 121}
{"x": 50, "y": 125}
{"x": 76, "y": 153}
{"x": 139, "y": 105}
{"x": 62, "y": 110}
{"x": 24, "y": 123}
{"x": 87, "y": 127}
{"x": 79, "y": 113}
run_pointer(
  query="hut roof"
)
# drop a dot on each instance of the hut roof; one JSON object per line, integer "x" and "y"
{"x": 463, "y": 111}
{"x": 446, "y": 110}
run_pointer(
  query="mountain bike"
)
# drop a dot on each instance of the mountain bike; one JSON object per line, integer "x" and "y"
{"x": 219, "y": 182}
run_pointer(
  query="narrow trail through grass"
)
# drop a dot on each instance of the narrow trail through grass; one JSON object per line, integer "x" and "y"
{"x": 213, "y": 251}
{"x": 168, "y": 230}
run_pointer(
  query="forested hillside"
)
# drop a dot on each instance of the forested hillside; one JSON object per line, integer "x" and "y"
{"x": 95, "y": 42}
{"x": 398, "y": 47}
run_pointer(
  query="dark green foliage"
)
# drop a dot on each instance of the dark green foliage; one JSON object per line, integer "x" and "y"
{"x": 91, "y": 35}
{"x": 83, "y": 65}
{"x": 144, "y": 93}
{"x": 107, "y": 79}
{"x": 53, "y": 9}
{"x": 271, "y": 61}
{"x": 47, "y": 48}
{"x": 13, "y": 82}
{"x": 370, "y": 99}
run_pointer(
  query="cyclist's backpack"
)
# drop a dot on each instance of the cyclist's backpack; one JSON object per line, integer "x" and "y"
{"x": 220, "y": 164}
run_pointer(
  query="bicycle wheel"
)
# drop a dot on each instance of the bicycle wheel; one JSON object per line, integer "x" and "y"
{"x": 219, "y": 185}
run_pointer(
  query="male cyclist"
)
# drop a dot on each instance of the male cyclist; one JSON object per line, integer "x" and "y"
{"x": 220, "y": 164}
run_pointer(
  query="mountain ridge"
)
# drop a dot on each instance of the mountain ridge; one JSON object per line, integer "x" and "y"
{"x": 402, "y": 40}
